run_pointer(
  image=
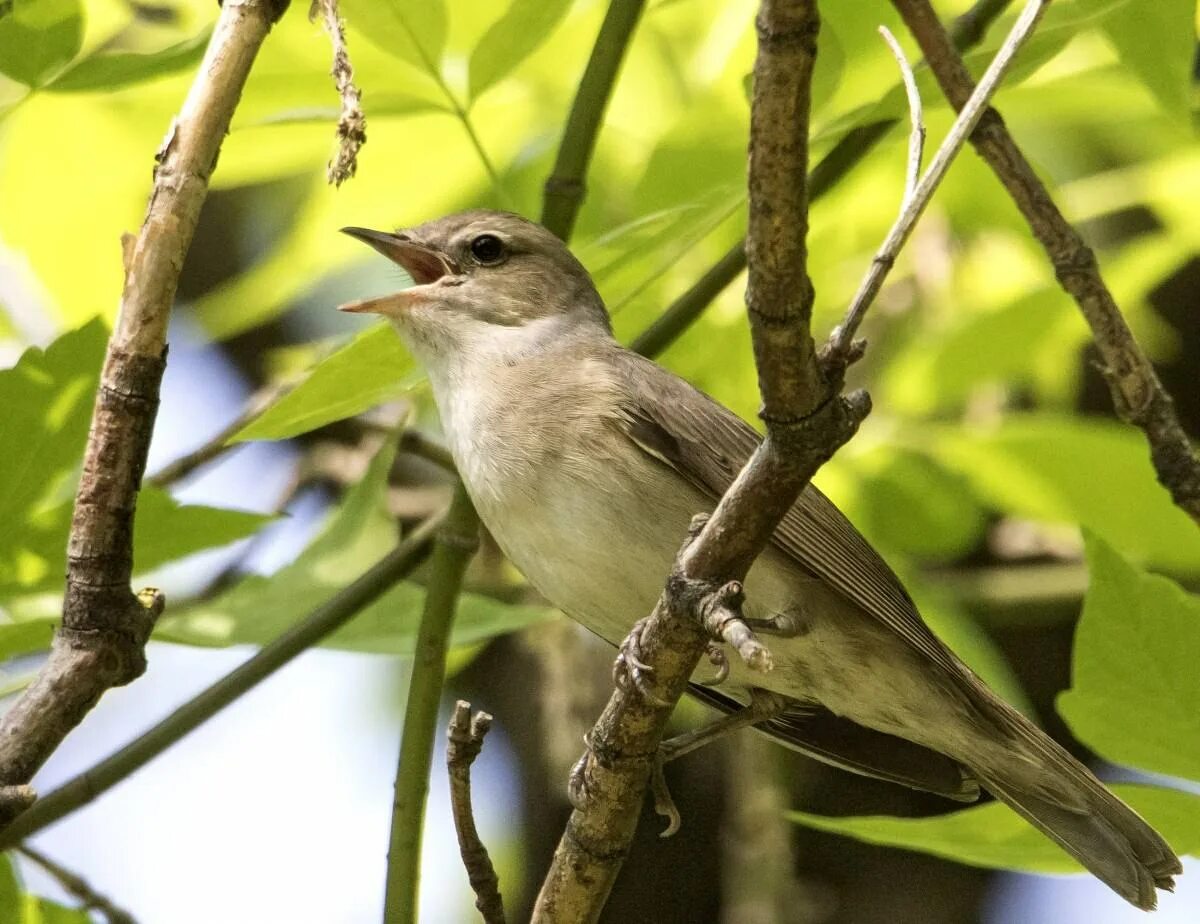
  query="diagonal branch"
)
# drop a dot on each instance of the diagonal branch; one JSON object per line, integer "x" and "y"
{"x": 565, "y": 188}
{"x": 1137, "y": 393}
{"x": 105, "y": 626}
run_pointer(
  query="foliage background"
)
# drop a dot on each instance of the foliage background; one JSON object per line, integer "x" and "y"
{"x": 991, "y": 454}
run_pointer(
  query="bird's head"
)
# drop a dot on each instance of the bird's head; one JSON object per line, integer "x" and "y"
{"x": 485, "y": 281}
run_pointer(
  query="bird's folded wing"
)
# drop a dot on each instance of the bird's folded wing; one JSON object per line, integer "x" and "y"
{"x": 708, "y": 444}
{"x": 820, "y": 734}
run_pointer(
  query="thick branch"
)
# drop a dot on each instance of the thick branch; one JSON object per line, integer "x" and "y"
{"x": 456, "y": 543}
{"x": 105, "y": 626}
{"x": 565, "y": 188}
{"x": 1137, "y": 393}
{"x": 89, "y": 785}
{"x": 466, "y": 735}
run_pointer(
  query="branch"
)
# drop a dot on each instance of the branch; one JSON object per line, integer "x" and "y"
{"x": 1137, "y": 393}
{"x": 101, "y": 642}
{"x": 565, "y": 189}
{"x": 850, "y": 150}
{"x": 916, "y": 135}
{"x": 456, "y": 542}
{"x": 840, "y": 351}
{"x": 78, "y": 888}
{"x": 336, "y": 612}
{"x": 466, "y": 741}
{"x": 352, "y": 124}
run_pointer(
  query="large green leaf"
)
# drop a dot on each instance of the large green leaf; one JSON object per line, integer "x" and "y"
{"x": 511, "y": 39}
{"x": 413, "y": 32}
{"x": 1094, "y": 473}
{"x": 45, "y": 407}
{"x": 1157, "y": 41}
{"x": 1135, "y": 687}
{"x": 995, "y": 837}
{"x": 372, "y": 368}
{"x": 110, "y": 70}
{"x": 38, "y": 38}
{"x": 359, "y": 532}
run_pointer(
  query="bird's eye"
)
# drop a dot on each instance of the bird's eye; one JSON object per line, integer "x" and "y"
{"x": 487, "y": 249}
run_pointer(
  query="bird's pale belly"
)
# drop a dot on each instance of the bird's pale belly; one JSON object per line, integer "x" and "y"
{"x": 603, "y": 557}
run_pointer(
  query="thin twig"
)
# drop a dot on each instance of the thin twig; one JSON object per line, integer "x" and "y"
{"x": 101, "y": 642}
{"x": 465, "y": 736}
{"x": 916, "y": 136}
{"x": 1137, "y": 393}
{"x": 456, "y": 542}
{"x": 336, "y": 612}
{"x": 218, "y": 444}
{"x": 565, "y": 189}
{"x": 78, "y": 887}
{"x": 352, "y": 124}
{"x": 838, "y": 350}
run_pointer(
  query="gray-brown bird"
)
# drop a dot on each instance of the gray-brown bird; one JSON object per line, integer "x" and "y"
{"x": 587, "y": 461}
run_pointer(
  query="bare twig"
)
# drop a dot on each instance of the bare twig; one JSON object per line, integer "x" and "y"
{"x": 565, "y": 189}
{"x": 345, "y": 604}
{"x": 78, "y": 887}
{"x": 916, "y": 136}
{"x": 1137, "y": 393}
{"x": 218, "y": 444}
{"x": 352, "y": 124}
{"x": 101, "y": 642}
{"x": 456, "y": 542}
{"x": 839, "y": 351}
{"x": 465, "y": 736}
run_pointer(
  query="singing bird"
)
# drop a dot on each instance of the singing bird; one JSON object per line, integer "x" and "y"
{"x": 586, "y": 462}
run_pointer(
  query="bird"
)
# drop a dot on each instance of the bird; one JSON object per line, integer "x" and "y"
{"x": 586, "y": 462}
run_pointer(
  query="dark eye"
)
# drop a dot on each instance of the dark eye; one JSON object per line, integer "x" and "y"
{"x": 487, "y": 249}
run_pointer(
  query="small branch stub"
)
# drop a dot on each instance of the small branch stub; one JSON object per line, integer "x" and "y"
{"x": 466, "y": 734}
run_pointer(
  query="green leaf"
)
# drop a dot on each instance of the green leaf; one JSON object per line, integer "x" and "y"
{"x": 45, "y": 407}
{"x": 372, "y": 368}
{"x": 20, "y": 907}
{"x": 165, "y": 530}
{"x": 1090, "y": 472}
{"x": 359, "y": 532}
{"x": 1135, "y": 687}
{"x": 1157, "y": 41}
{"x": 38, "y": 38}
{"x": 412, "y": 32}
{"x": 111, "y": 70}
{"x": 512, "y": 39}
{"x": 26, "y": 636}
{"x": 995, "y": 837}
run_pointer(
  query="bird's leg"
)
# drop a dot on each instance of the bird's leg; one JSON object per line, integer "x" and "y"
{"x": 764, "y": 706}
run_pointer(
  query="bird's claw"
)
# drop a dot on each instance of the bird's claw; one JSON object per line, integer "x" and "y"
{"x": 718, "y": 659}
{"x": 630, "y": 672}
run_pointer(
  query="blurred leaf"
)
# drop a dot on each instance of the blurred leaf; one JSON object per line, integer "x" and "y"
{"x": 166, "y": 530}
{"x": 512, "y": 39}
{"x": 1090, "y": 472}
{"x": 372, "y": 368}
{"x": 20, "y": 907}
{"x": 1135, "y": 687}
{"x": 26, "y": 636}
{"x": 45, "y": 408}
{"x": 995, "y": 837}
{"x": 359, "y": 532}
{"x": 110, "y": 70}
{"x": 907, "y": 502}
{"x": 413, "y": 32}
{"x": 941, "y": 368}
{"x": 1157, "y": 42}
{"x": 38, "y": 37}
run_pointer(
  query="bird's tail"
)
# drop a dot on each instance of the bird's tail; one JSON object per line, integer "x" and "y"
{"x": 1062, "y": 798}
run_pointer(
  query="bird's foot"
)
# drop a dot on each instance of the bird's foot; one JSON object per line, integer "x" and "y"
{"x": 579, "y": 789}
{"x": 718, "y": 659}
{"x": 630, "y": 672}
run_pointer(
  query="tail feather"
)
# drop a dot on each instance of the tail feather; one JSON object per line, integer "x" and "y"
{"x": 1109, "y": 839}
{"x": 1060, "y": 797}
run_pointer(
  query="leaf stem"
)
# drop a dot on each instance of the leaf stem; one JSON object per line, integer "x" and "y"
{"x": 456, "y": 541}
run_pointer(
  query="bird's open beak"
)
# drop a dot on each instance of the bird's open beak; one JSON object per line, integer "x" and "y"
{"x": 424, "y": 264}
